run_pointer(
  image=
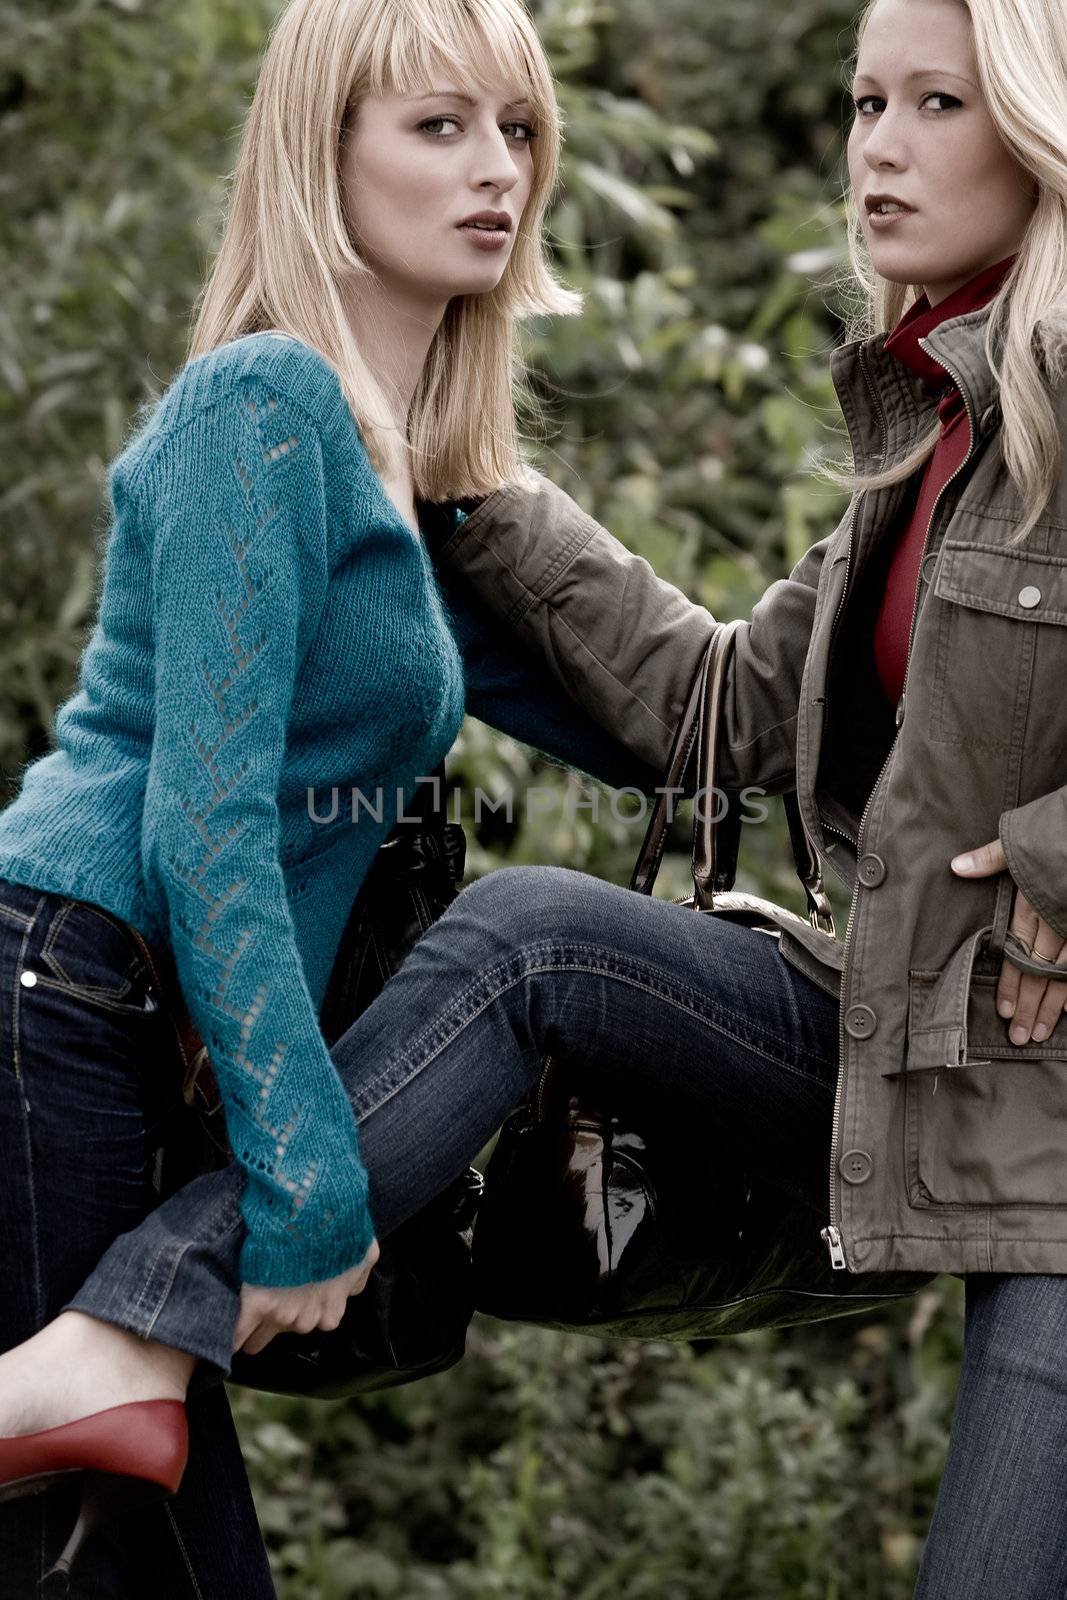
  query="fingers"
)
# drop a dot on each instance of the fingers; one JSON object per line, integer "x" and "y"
{"x": 1038, "y": 1004}
{"x": 982, "y": 862}
{"x": 1051, "y": 1007}
{"x": 1024, "y": 924}
{"x": 265, "y": 1312}
{"x": 259, "y": 1339}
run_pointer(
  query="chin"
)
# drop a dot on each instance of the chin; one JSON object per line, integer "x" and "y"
{"x": 897, "y": 266}
{"x": 473, "y": 284}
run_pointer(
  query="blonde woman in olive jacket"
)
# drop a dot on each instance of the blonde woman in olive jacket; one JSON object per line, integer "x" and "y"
{"x": 944, "y": 808}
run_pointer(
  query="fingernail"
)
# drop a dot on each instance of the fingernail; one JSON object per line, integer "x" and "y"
{"x": 1040, "y": 1032}
{"x": 1006, "y": 1008}
{"x": 1019, "y": 1035}
{"x": 963, "y": 863}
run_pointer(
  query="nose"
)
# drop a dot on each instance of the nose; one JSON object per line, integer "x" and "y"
{"x": 495, "y": 166}
{"x": 885, "y": 145}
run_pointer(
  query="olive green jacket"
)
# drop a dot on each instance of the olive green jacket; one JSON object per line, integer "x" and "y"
{"x": 949, "y": 1144}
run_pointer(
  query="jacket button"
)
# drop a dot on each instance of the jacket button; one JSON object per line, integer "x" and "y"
{"x": 1029, "y": 597}
{"x": 855, "y": 1166}
{"x": 871, "y": 871}
{"x": 860, "y": 1022}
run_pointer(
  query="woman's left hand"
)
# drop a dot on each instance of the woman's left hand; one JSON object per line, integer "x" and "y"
{"x": 1035, "y": 1004}
{"x": 266, "y": 1312}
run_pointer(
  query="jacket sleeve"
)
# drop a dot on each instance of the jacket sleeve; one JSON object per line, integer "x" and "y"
{"x": 239, "y": 575}
{"x": 627, "y": 645}
{"x": 1034, "y": 837}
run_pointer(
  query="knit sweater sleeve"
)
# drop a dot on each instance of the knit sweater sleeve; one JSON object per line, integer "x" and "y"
{"x": 239, "y": 575}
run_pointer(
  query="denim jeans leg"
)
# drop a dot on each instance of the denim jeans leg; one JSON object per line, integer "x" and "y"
{"x": 174, "y": 1277}
{"x": 529, "y": 959}
{"x": 999, "y": 1529}
{"x": 698, "y": 1012}
{"x": 77, "y": 1106}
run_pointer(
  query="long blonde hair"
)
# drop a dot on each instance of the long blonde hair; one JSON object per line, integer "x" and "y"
{"x": 1021, "y": 52}
{"x": 287, "y": 260}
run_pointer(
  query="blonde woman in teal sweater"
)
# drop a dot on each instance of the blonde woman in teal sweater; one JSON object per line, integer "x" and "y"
{"x": 269, "y": 625}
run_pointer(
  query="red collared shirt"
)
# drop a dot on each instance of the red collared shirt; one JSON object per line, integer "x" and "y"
{"x": 893, "y": 626}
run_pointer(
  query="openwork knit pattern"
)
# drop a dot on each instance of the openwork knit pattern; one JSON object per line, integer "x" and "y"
{"x": 268, "y": 624}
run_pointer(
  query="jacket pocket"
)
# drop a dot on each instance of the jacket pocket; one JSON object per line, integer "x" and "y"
{"x": 986, "y": 1120}
{"x": 990, "y": 602}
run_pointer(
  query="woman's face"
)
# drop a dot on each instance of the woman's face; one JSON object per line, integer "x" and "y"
{"x": 924, "y": 140}
{"x": 417, "y": 169}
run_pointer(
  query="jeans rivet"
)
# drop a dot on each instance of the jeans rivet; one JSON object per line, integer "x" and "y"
{"x": 27, "y": 979}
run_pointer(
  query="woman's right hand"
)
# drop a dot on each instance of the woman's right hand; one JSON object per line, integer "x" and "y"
{"x": 265, "y": 1312}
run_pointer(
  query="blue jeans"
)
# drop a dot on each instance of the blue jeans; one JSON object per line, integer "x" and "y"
{"x": 81, "y": 1048}
{"x": 711, "y": 1016}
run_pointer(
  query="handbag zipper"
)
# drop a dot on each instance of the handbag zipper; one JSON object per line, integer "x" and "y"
{"x": 831, "y": 1235}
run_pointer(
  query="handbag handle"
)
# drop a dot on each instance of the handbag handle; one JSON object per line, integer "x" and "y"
{"x": 716, "y": 840}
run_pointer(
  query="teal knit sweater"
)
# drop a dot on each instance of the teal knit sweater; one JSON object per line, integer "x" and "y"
{"x": 268, "y": 624}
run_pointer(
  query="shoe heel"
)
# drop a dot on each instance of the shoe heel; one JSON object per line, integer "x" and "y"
{"x": 105, "y": 1496}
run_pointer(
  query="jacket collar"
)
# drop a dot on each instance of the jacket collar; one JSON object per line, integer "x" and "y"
{"x": 887, "y": 408}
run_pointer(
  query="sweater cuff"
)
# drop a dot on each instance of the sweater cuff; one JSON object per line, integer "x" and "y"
{"x": 286, "y": 1257}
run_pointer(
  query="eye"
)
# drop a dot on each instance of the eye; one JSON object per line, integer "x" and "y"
{"x": 949, "y": 101}
{"x": 432, "y": 125}
{"x": 527, "y": 133}
{"x": 866, "y": 100}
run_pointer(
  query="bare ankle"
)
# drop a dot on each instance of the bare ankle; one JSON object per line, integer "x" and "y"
{"x": 127, "y": 1354}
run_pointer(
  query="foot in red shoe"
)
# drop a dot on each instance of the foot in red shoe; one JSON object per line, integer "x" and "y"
{"x": 127, "y": 1456}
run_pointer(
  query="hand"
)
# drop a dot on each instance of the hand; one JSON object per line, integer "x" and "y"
{"x": 1035, "y": 1004}
{"x": 265, "y": 1312}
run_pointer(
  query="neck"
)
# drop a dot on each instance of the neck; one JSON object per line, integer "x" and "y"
{"x": 394, "y": 334}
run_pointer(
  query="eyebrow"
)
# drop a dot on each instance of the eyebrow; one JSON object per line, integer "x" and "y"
{"x": 923, "y": 72}
{"x": 468, "y": 100}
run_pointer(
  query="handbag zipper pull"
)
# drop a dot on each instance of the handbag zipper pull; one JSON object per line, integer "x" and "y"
{"x": 833, "y": 1241}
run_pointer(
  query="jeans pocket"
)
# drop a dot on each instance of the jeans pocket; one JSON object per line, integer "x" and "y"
{"x": 93, "y": 957}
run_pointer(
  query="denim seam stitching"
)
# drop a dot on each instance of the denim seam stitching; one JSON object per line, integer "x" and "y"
{"x": 692, "y": 999}
{"x": 28, "y": 1142}
{"x": 133, "y": 967}
{"x": 93, "y": 997}
{"x": 363, "y": 1110}
{"x": 138, "y": 1310}
{"x": 198, "y": 1592}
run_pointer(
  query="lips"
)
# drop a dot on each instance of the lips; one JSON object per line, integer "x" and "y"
{"x": 488, "y": 222}
{"x": 885, "y": 205}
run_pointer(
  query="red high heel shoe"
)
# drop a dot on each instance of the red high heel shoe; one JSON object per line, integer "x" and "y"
{"x": 130, "y": 1455}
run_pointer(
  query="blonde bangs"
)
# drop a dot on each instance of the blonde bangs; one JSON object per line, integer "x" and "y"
{"x": 413, "y": 43}
{"x": 287, "y": 260}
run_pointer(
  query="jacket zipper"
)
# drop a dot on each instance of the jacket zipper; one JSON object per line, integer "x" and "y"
{"x": 831, "y": 1235}
{"x": 547, "y": 1064}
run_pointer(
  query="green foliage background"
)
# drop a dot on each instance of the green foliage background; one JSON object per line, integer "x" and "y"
{"x": 687, "y": 408}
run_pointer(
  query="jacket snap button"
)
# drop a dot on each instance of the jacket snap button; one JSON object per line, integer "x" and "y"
{"x": 1029, "y": 597}
{"x": 872, "y": 871}
{"x": 860, "y": 1022}
{"x": 27, "y": 979}
{"x": 855, "y": 1166}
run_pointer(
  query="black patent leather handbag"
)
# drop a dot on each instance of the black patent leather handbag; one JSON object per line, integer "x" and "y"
{"x": 411, "y": 1320}
{"x": 604, "y": 1213}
